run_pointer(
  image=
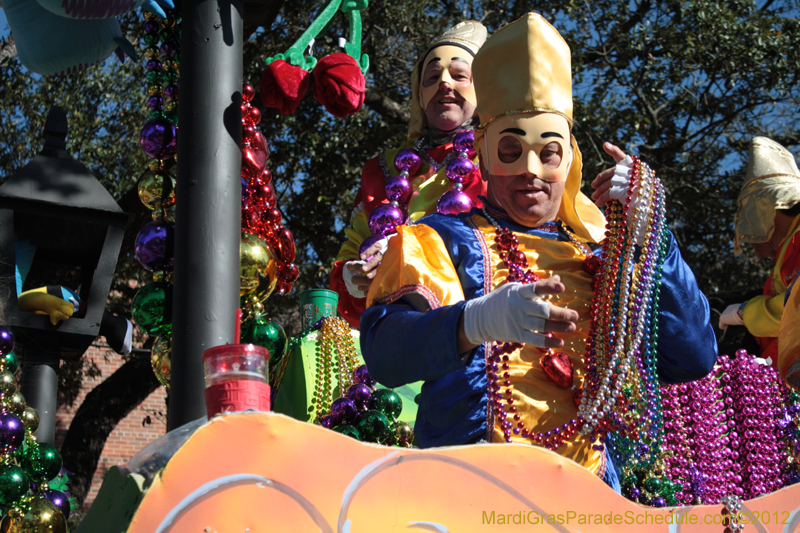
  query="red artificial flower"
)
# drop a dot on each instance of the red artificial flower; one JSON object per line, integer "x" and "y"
{"x": 339, "y": 84}
{"x": 283, "y": 85}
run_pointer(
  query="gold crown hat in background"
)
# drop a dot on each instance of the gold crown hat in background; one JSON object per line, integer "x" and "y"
{"x": 771, "y": 181}
{"x": 469, "y": 35}
{"x": 524, "y": 67}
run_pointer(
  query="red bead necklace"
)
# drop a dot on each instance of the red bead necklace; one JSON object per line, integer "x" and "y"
{"x": 497, "y": 368}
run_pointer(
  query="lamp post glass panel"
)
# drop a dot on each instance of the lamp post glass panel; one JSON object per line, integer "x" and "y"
{"x": 58, "y": 227}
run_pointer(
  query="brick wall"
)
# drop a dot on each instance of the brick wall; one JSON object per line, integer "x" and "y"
{"x": 130, "y": 435}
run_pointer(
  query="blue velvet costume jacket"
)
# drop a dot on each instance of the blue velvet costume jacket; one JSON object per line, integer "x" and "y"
{"x": 405, "y": 340}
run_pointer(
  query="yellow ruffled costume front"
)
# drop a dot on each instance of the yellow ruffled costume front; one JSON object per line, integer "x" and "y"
{"x": 418, "y": 265}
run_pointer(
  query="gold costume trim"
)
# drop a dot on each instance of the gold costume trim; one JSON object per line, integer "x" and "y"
{"x": 768, "y": 176}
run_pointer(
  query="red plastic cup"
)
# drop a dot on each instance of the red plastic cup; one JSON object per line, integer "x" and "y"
{"x": 236, "y": 378}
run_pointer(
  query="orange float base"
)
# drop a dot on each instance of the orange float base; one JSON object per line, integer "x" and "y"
{"x": 263, "y": 472}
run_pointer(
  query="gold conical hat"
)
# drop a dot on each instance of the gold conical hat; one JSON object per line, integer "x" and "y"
{"x": 771, "y": 182}
{"x": 469, "y": 35}
{"x": 524, "y": 67}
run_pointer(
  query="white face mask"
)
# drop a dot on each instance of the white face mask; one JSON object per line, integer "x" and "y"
{"x": 451, "y": 64}
{"x": 537, "y": 144}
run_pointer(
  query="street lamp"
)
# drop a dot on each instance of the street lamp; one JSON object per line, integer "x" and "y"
{"x": 58, "y": 206}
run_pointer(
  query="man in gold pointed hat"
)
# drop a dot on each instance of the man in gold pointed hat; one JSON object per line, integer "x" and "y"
{"x": 768, "y": 218}
{"x": 442, "y": 106}
{"x": 446, "y": 293}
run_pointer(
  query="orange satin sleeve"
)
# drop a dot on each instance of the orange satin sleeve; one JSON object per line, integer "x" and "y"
{"x": 418, "y": 263}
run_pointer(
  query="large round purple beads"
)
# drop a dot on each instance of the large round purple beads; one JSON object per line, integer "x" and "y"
{"x": 155, "y": 246}
{"x": 407, "y": 160}
{"x": 369, "y": 241}
{"x": 343, "y": 411}
{"x": 398, "y": 189}
{"x": 12, "y": 432}
{"x": 454, "y": 202}
{"x": 6, "y": 340}
{"x": 463, "y": 141}
{"x": 460, "y": 170}
{"x": 159, "y": 139}
{"x": 385, "y": 218}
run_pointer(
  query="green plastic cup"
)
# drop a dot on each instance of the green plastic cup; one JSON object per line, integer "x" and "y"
{"x": 315, "y": 304}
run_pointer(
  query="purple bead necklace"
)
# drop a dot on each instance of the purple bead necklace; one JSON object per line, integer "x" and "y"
{"x": 458, "y": 167}
{"x": 735, "y": 432}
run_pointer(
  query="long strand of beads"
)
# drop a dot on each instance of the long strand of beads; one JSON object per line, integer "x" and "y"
{"x": 636, "y": 445}
{"x": 156, "y": 188}
{"x": 348, "y": 357}
{"x": 602, "y": 316}
{"x": 497, "y": 367}
{"x": 623, "y": 403}
{"x": 321, "y": 397}
{"x": 610, "y": 339}
{"x": 639, "y": 392}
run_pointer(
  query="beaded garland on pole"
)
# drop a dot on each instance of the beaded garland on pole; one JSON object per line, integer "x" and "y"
{"x": 266, "y": 243}
{"x": 28, "y": 468}
{"x": 155, "y": 243}
{"x": 362, "y": 411}
{"x": 458, "y": 168}
{"x": 620, "y": 399}
{"x": 267, "y": 247}
{"x": 260, "y": 213}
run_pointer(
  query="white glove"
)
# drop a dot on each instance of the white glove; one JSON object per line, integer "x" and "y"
{"x": 512, "y": 313}
{"x": 621, "y": 179}
{"x": 619, "y": 190}
{"x": 731, "y": 317}
{"x": 348, "y": 276}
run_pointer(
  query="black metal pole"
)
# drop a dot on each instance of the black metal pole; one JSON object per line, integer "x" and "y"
{"x": 40, "y": 388}
{"x": 208, "y": 225}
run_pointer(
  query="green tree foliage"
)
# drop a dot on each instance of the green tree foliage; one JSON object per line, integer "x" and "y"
{"x": 105, "y": 112}
{"x": 685, "y": 84}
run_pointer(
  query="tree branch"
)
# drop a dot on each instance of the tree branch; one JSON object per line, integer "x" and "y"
{"x": 636, "y": 17}
{"x": 766, "y": 6}
{"x": 7, "y": 50}
{"x": 388, "y": 108}
{"x": 259, "y": 14}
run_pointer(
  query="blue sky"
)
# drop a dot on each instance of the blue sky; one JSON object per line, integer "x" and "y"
{"x": 4, "y": 29}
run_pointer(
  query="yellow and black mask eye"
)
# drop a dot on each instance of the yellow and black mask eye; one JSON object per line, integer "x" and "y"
{"x": 537, "y": 144}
